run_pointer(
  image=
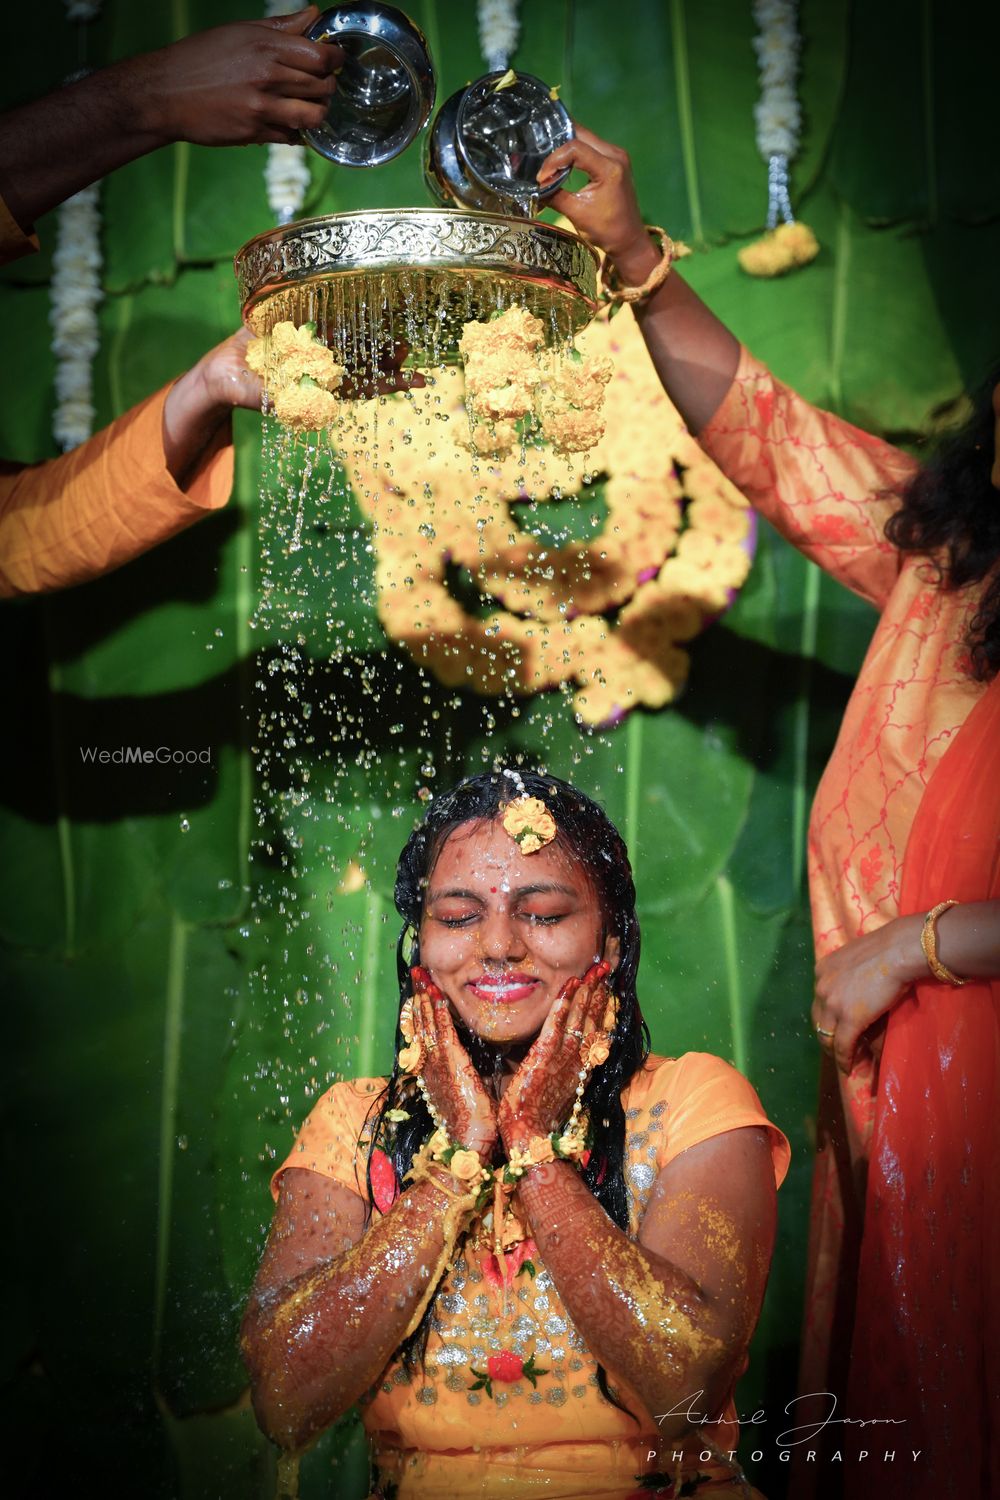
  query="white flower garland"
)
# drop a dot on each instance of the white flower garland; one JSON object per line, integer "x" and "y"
{"x": 74, "y": 296}
{"x": 499, "y": 28}
{"x": 73, "y": 300}
{"x": 777, "y": 113}
{"x": 286, "y": 174}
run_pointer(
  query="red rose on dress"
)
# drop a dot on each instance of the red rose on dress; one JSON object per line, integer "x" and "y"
{"x": 524, "y": 1251}
{"x": 505, "y": 1366}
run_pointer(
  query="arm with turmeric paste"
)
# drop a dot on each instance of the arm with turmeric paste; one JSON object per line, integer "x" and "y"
{"x": 672, "y": 1314}
{"x": 332, "y": 1301}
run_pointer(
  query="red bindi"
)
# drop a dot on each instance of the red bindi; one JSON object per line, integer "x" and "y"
{"x": 493, "y": 890}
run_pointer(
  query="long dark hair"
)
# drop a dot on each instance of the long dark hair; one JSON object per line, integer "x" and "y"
{"x": 951, "y": 511}
{"x": 589, "y": 837}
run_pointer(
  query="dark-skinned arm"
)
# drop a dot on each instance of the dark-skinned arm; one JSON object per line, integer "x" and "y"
{"x": 248, "y": 82}
{"x": 671, "y": 1314}
{"x": 872, "y": 973}
{"x": 694, "y": 353}
{"x": 333, "y": 1301}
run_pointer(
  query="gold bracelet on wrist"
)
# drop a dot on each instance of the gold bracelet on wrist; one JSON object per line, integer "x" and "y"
{"x": 670, "y": 250}
{"x": 928, "y": 942}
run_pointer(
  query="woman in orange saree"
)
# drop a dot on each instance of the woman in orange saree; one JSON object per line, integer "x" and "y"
{"x": 924, "y": 551}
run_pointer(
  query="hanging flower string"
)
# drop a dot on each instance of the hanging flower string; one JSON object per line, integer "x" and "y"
{"x": 74, "y": 295}
{"x": 499, "y": 28}
{"x": 286, "y": 175}
{"x": 787, "y": 243}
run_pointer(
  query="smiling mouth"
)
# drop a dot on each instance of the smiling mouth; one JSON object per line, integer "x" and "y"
{"x": 503, "y": 989}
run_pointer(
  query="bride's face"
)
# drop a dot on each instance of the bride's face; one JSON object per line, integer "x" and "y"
{"x": 503, "y": 931}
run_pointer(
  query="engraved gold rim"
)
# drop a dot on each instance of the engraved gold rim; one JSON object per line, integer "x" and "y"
{"x": 437, "y": 241}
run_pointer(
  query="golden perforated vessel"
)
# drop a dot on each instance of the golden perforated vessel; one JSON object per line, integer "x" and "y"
{"x": 414, "y": 275}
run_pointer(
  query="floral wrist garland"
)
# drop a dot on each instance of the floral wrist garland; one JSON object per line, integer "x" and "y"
{"x": 789, "y": 243}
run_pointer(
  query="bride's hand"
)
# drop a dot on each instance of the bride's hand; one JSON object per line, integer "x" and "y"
{"x": 453, "y": 1084}
{"x": 540, "y": 1096}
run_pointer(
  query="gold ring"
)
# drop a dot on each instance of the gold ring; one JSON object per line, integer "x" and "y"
{"x": 577, "y": 1034}
{"x": 821, "y": 1032}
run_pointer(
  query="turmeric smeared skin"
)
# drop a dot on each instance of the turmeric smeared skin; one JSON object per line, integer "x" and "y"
{"x": 672, "y": 1313}
{"x": 315, "y": 1342}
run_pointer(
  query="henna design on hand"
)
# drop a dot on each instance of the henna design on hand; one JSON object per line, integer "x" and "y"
{"x": 541, "y": 1095}
{"x": 453, "y": 1084}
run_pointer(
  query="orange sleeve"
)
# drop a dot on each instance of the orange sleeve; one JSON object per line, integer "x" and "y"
{"x": 329, "y": 1140}
{"x": 110, "y": 499}
{"x": 826, "y": 486}
{"x": 13, "y": 241}
{"x": 705, "y": 1097}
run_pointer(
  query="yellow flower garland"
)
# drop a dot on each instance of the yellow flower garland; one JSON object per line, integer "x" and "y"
{"x": 610, "y": 615}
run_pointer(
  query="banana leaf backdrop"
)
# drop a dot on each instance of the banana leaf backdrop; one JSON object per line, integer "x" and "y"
{"x": 184, "y": 972}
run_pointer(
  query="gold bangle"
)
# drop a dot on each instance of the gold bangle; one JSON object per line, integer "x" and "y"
{"x": 928, "y": 942}
{"x": 670, "y": 250}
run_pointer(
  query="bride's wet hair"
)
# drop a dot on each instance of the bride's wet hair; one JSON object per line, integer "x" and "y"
{"x": 588, "y": 837}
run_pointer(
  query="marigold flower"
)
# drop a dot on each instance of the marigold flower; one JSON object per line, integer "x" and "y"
{"x": 287, "y": 354}
{"x": 780, "y": 250}
{"x": 305, "y": 408}
{"x": 569, "y": 430}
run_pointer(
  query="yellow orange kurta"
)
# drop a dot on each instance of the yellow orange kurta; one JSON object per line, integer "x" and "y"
{"x": 829, "y": 489}
{"x": 112, "y": 498}
{"x": 433, "y": 1435}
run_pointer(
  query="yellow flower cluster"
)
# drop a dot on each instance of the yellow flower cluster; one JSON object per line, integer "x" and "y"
{"x": 569, "y": 406}
{"x": 300, "y": 375}
{"x": 501, "y": 368}
{"x": 529, "y": 823}
{"x": 611, "y": 615}
{"x": 780, "y": 250}
{"x": 510, "y": 375}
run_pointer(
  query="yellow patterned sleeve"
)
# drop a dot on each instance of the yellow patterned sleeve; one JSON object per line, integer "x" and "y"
{"x": 333, "y": 1140}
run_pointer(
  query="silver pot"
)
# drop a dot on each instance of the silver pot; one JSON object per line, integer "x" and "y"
{"x": 487, "y": 144}
{"x": 385, "y": 90}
